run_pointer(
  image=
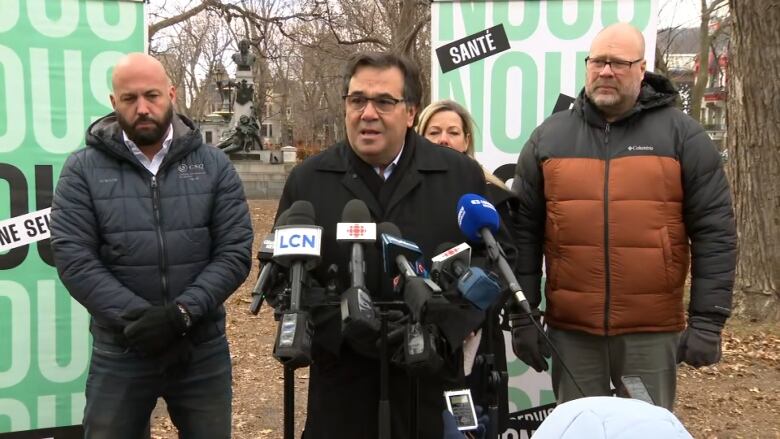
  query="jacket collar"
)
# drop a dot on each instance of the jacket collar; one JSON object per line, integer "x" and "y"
{"x": 105, "y": 134}
{"x": 424, "y": 160}
{"x": 655, "y": 91}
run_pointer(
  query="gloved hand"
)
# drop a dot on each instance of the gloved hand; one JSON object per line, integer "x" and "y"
{"x": 527, "y": 343}
{"x": 153, "y": 329}
{"x": 700, "y": 342}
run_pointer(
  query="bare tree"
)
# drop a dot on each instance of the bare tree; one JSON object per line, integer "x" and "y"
{"x": 705, "y": 39}
{"x": 754, "y": 159}
{"x": 191, "y": 51}
{"x": 300, "y": 48}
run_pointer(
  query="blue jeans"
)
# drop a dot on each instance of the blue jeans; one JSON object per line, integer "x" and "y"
{"x": 122, "y": 390}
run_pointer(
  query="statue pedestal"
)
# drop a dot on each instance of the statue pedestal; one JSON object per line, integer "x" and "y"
{"x": 240, "y": 108}
{"x": 289, "y": 154}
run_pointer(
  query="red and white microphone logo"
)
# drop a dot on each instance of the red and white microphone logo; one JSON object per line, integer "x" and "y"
{"x": 356, "y": 230}
{"x": 363, "y": 232}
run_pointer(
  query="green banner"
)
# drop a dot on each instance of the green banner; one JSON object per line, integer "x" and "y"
{"x": 56, "y": 58}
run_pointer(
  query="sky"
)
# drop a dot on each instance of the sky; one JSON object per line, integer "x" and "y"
{"x": 672, "y": 12}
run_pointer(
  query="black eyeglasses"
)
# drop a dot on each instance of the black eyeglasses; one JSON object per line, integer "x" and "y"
{"x": 616, "y": 65}
{"x": 382, "y": 104}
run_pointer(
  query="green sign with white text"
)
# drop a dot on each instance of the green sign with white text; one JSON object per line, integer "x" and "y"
{"x": 56, "y": 58}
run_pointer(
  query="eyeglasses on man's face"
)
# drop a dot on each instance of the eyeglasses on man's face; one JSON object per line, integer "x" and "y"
{"x": 382, "y": 104}
{"x": 616, "y": 65}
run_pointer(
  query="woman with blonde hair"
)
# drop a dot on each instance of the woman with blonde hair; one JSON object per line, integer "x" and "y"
{"x": 447, "y": 123}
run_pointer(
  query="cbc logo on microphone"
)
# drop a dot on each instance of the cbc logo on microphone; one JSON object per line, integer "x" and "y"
{"x": 356, "y": 231}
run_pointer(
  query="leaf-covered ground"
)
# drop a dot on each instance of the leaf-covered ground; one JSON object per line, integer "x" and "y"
{"x": 738, "y": 398}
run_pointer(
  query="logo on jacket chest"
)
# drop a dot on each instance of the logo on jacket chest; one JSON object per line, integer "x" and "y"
{"x": 191, "y": 171}
{"x": 633, "y": 148}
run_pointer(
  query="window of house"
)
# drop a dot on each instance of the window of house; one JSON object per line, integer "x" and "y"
{"x": 267, "y": 130}
{"x": 208, "y": 137}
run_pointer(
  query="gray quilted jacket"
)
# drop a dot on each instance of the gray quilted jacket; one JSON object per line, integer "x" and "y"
{"x": 125, "y": 239}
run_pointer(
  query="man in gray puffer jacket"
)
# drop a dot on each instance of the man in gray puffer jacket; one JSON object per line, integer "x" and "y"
{"x": 151, "y": 233}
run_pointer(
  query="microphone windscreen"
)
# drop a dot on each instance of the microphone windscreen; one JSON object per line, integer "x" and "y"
{"x": 475, "y": 213}
{"x": 355, "y": 211}
{"x": 388, "y": 228}
{"x": 301, "y": 213}
{"x": 283, "y": 218}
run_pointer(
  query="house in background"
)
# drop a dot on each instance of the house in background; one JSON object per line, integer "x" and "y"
{"x": 679, "y": 48}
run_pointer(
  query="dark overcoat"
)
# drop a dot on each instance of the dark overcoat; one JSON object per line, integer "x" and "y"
{"x": 344, "y": 385}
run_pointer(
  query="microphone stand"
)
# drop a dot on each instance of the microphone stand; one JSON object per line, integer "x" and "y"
{"x": 384, "y": 367}
{"x": 296, "y": 281}
{"x": 415, "y": 392}
{"x": 384, "y": 377}
{"x": 289, "y": 402}
{"x": 495, "y": 377}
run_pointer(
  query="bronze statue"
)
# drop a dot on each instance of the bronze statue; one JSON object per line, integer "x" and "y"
{"x": 244, "y": 137}
{"x": 244, "y": 59}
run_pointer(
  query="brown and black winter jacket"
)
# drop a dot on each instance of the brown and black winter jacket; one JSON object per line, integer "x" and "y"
{"x": 612, "y": 206}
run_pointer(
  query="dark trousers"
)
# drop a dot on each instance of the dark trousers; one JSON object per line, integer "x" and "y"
{"x": 122, "y": 390}
{"x": 597, "y": 361}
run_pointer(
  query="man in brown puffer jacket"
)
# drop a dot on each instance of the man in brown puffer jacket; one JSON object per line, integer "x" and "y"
{"x": 617, "y": 193}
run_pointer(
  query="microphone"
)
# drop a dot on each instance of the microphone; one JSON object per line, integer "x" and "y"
{"x": 473, "y": 283}
{"x": 451, "y": 261}
{"x": 398, "y": 251}
{"x": 478, "y": 219}
{"x": 297, "y": 245}
{"x": 356, "y": 228}
{"x": 420, "y": 352}
{"x": 479, "y": 288}
{"x": 417, "y": 290}
{"x": 270, "y": 270}
{"x": 358, "y": 319}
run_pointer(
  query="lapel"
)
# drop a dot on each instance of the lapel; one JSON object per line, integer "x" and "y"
{"x": 337, "y": 161}
{"x": 355, "y": 185}
{"x": 423, "y": 161}
{"x": 426, "y": 159}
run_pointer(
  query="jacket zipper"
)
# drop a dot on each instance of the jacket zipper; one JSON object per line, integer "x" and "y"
{"x": 160, "y": 240}
{"x": 607, "y": 291}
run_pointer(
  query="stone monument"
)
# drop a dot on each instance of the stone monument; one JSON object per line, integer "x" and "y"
{"x": 243, "y": 134}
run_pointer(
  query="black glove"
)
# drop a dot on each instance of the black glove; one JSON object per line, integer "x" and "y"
{"x": 155, "y": 328}
{"x": 700, "y": 342}
{"x": 527, "y": 343}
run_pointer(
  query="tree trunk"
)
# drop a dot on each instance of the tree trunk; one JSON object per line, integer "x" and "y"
{"x": 754, "y": 154}
{"x": 702, "y": 75}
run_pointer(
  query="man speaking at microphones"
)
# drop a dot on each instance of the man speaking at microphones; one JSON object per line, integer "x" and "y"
{"x": 404, "y": 179}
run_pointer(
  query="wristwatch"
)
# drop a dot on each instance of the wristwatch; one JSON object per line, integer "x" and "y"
{"x": 185, "y": 315}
